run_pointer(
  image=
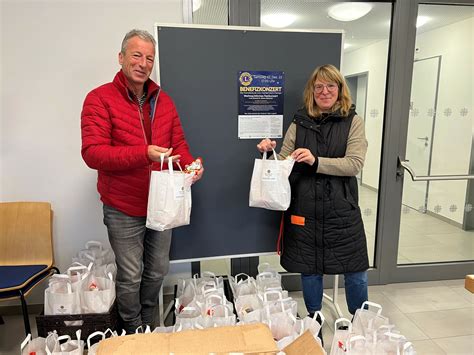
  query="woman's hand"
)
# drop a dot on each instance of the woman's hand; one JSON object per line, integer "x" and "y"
{"x": 303, "y": 155}
{"x": 266, "y": 145}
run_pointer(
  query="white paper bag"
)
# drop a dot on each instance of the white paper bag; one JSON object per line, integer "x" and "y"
{"x": 368, "y": 319}
{"x": 98, "y": 294}
{"x": 270, "y": 187}
{"x": 70, "y": 347}
{"x": 36, "y": 345}
{"x": 61, "y": 301}
{"x": 169, "y": 199}
{"x": 339, "y": 341}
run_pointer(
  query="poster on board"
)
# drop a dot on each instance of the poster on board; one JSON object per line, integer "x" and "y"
{"x": 260, "y": 104}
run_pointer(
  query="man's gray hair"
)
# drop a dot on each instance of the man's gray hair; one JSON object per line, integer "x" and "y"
{"x": 144, "y": 35}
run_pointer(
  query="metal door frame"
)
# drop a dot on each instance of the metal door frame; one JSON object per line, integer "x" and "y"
{"x": 400, "y": 70}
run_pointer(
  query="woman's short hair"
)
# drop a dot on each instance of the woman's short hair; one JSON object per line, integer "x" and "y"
{"x": 330, "y": 74}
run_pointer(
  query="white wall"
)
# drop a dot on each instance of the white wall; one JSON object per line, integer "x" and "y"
{"x": 53, "y": 54}
{"x": 371, "y": 59}
{"x": 453, "y": 134}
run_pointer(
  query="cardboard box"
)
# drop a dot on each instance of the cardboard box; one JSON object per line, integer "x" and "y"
{"x": 304, "y": 345}
{"x": 246, "y": 339}
{"x": 469, "y": 283}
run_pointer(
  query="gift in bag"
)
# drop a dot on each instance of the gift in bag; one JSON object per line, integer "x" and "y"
{"x": 342, "y": 333}
{"x": 33, "y": 346}
{"x": 245, "y": 286}
{"x": 169, "y": 198}
{"x": 98, "y": 294}
{"x": 249, "y": 308}
{"x": 270, "y": 187}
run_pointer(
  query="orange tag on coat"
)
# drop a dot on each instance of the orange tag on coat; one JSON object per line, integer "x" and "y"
{"x": 298, "y": 220}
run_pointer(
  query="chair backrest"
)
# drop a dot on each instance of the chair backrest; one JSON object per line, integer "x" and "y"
{"x": 26, "y": 235}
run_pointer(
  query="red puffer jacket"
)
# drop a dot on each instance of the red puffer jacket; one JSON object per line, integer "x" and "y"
{"x": 114, "y": 142}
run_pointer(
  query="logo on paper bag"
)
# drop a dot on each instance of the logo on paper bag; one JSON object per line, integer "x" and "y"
{"x": 268, "y": 175}
{"x": 63, "y": 310}
{"x": 179, "y": 192}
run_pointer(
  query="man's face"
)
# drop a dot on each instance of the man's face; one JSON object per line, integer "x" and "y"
{"x": 137, "y": 62}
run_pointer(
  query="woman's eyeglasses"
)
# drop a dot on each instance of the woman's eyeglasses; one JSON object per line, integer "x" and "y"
{"x": 332, "y": 87}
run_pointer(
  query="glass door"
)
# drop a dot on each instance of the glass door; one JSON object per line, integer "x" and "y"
{"x": 364, "y": 65}
{"x": 424, "y": 91}
{"x": 435, "y": 212}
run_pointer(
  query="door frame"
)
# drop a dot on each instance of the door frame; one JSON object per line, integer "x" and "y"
{"x": 358, "y": 75}
{"x": 397, "y": 102}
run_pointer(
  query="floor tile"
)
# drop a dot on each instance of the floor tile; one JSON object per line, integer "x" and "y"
{"x": 388, "y": 307}
{"x": 425, "y": 299}
{"x": 468, "y": 296}
{"x": 436, "y": 252}
{"x": 459, "y": 239}
{"x": 463, "y": 345}
{"x": 439, "y": 324}
{"x": 427, "y": 347}
{"x": 376, "y": 289}
{"x": 407, "y": 327}
{"x": 12, "y": 333}
{"x": 413, "y": 285}
{"x": 451, "y": 283}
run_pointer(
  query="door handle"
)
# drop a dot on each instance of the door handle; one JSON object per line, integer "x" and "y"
{"x": 426, "y": 139}
{"x": 403, "y": 165}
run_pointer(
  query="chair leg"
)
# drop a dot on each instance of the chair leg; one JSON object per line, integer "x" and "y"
{"x": 26, "y": 319}
{"x": 1, "y": 320}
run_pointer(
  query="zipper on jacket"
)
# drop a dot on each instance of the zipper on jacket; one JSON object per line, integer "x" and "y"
{"x": 140, "y": 112}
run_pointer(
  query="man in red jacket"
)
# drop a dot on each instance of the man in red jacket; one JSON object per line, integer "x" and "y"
{"x": 126, "y": 125}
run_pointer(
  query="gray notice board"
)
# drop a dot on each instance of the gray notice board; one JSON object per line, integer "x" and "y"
{"x": 199, "y": 68}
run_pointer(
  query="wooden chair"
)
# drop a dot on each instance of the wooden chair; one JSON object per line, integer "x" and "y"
{"x": 26, "y": 250}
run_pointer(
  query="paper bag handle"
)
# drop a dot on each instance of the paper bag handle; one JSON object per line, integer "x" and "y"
{"x": 25, "y": 342}
{"x": 374, "y": 305}
{"x": 274, "y": 155}
{"x": 94, "y": 243}
{"x": 343, "y": 320}
{"x": 93, "y": 335}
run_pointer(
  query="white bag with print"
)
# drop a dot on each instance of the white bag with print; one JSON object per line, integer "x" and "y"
{"x": 98, "y": 294}
{"x": 270, "y": 187}
{"x": 60, "y": 299}
{"x": 169, "y": 198}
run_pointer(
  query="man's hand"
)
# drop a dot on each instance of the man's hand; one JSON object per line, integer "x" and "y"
{"x": 266, "y": 145}
{"x": 198, "y": 175}
{"x": 303, "y": 155}
{"x": 154, "y": 153}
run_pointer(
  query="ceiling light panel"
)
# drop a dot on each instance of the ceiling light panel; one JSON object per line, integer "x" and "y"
{"x": 349, "y": 11}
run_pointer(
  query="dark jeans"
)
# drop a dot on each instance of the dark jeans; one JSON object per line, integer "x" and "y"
{"x": 142, "y": 257}
{"x": 355, "y": 284}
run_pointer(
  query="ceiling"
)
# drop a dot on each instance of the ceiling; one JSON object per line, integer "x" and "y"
{"x": 313, "y": 15}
